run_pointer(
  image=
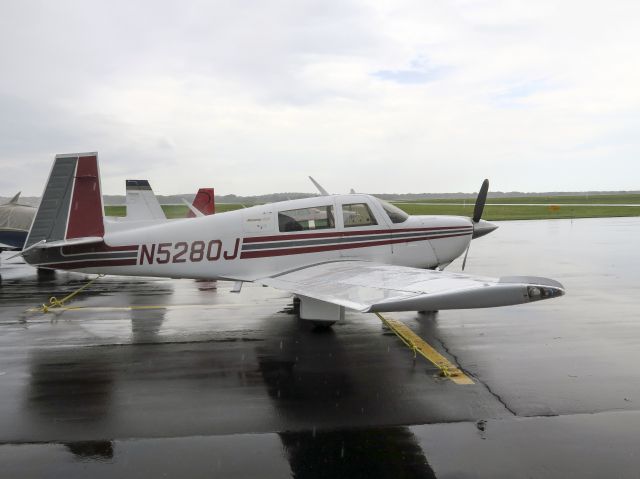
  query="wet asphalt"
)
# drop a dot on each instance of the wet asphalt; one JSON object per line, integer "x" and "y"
{"x": 197, "y": 381}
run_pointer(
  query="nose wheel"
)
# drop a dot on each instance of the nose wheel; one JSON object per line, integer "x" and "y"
{"x": 428, "y": 314}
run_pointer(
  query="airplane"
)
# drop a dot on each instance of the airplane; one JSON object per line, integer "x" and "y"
{"x": 15, "y": 221}
{"x": 364, "y": 254}
{"x": 142, "y": 205}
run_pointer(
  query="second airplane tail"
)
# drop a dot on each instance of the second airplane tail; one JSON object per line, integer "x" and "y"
{"x": 203, "y": 202}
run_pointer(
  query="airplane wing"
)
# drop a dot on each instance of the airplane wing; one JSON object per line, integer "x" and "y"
{"x": 374, "y": 287}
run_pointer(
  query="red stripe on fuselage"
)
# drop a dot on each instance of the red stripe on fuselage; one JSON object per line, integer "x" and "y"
{"x": 334, "y": 247}
{"x": 339, "y": 234}
{"x": 92, "y": 264}
{"x": 96, "y": 248}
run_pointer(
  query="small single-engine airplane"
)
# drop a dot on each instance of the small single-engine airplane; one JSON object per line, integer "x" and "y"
{"x": 332, "y": 252}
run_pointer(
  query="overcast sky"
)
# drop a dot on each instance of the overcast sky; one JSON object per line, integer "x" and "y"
{"x": 388, "y": 96}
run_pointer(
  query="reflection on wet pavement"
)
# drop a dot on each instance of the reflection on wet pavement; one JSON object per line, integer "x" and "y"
{"x": 370, "y": 453}
{"x": 236, "y": 386}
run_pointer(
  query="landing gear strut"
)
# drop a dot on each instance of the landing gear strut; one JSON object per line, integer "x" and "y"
{"x": 321, "y": 314}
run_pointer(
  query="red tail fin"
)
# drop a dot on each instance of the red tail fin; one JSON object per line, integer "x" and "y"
{"x": 85, "y": 213}
{"x": 203, "y": 202}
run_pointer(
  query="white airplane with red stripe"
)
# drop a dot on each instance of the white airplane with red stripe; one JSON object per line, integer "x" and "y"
{"x": 332, "y": 251}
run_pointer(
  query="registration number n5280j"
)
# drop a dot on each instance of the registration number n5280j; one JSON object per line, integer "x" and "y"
{"x": 183, "y": 251}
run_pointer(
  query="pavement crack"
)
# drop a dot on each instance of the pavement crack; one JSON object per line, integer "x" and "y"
{"x": 469, "y": 373}
{"x": 497, "y": 396}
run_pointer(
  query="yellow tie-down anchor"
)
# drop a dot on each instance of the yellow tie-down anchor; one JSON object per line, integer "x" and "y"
{"x": 418, "y": 345}
{"x": 55, "y": 303}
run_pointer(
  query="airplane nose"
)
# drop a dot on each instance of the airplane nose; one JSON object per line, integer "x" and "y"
{"x": 482, "y": 228}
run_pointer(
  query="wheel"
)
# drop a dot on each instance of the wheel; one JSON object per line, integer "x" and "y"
{"x": 322, "y": 325}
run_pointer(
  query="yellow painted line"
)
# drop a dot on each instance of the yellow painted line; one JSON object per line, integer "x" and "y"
{"x": 419, "y": 345}
{"x": 143, "y": 307}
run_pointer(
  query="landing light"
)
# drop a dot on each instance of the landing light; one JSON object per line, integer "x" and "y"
{"x": 537, "y": 293}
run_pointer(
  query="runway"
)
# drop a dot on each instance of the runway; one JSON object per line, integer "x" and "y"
{"x": 173, "y": 378}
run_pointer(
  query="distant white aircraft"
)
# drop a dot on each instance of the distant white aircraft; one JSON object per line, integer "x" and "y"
{"x": 361, "y": 253}
{"x": 143, "y": 207}
{"x": 15, "y": 221}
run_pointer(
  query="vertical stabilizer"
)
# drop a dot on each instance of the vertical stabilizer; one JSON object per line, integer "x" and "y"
{"x": 71, "y": 205}
{"x": 203, "y": 202}
{"x": 142, "y": 204}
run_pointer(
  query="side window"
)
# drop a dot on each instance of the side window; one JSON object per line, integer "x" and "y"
{"x": 395, "y": 214}
{"x": 357, "y": 214}
{"x": 305, "y": 219}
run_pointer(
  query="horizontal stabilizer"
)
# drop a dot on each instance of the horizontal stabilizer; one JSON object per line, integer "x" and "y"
{"x": 193, "y": 211}
{"x": 29, "y": 251}
{"x": 70, "y": 242}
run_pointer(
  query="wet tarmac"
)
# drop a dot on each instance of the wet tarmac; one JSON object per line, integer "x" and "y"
{"x": 201, "y": 382}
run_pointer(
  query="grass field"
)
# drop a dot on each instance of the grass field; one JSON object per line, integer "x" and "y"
{"x": 556, "y": 200}
{"x": 557, "y": 207}
{"x": 171, "y": 211}
{"x": 531, "y": 207}
{"x": 524, "y": 212}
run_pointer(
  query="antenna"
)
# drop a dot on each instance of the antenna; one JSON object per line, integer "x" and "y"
{"x": 322, "y": 191}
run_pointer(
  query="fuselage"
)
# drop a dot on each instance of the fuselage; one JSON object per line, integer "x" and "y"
{"x": 268, "y": 239}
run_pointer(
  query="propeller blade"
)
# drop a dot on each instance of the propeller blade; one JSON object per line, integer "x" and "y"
{"x": 464, "y": 261}
{"x": 480, "y": 201}
{"x": 477, "y": 215}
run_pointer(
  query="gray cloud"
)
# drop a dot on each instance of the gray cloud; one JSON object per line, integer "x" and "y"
{"x": 419, "y": 71}
{"x": 253, "y": 96}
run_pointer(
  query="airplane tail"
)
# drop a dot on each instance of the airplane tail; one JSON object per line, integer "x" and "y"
{"x": 71, "y": 210}
{"x": 203, "y": 202}
{"x": 142, "y": 204}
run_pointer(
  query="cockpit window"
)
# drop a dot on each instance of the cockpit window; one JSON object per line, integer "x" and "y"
{"x": 357, "y": 214}
{"x": 305, "y": 219}
{"x": 396, "y": 215}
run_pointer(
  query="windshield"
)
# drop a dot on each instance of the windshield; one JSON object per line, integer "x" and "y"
{"x": 396, "y": 215}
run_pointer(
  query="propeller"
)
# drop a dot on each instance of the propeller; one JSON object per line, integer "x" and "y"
{"x": 480, "y": 201}
{"x": 477, "y": 215}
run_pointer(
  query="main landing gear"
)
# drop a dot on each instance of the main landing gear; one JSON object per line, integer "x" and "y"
{"x": 321, "y": 314}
